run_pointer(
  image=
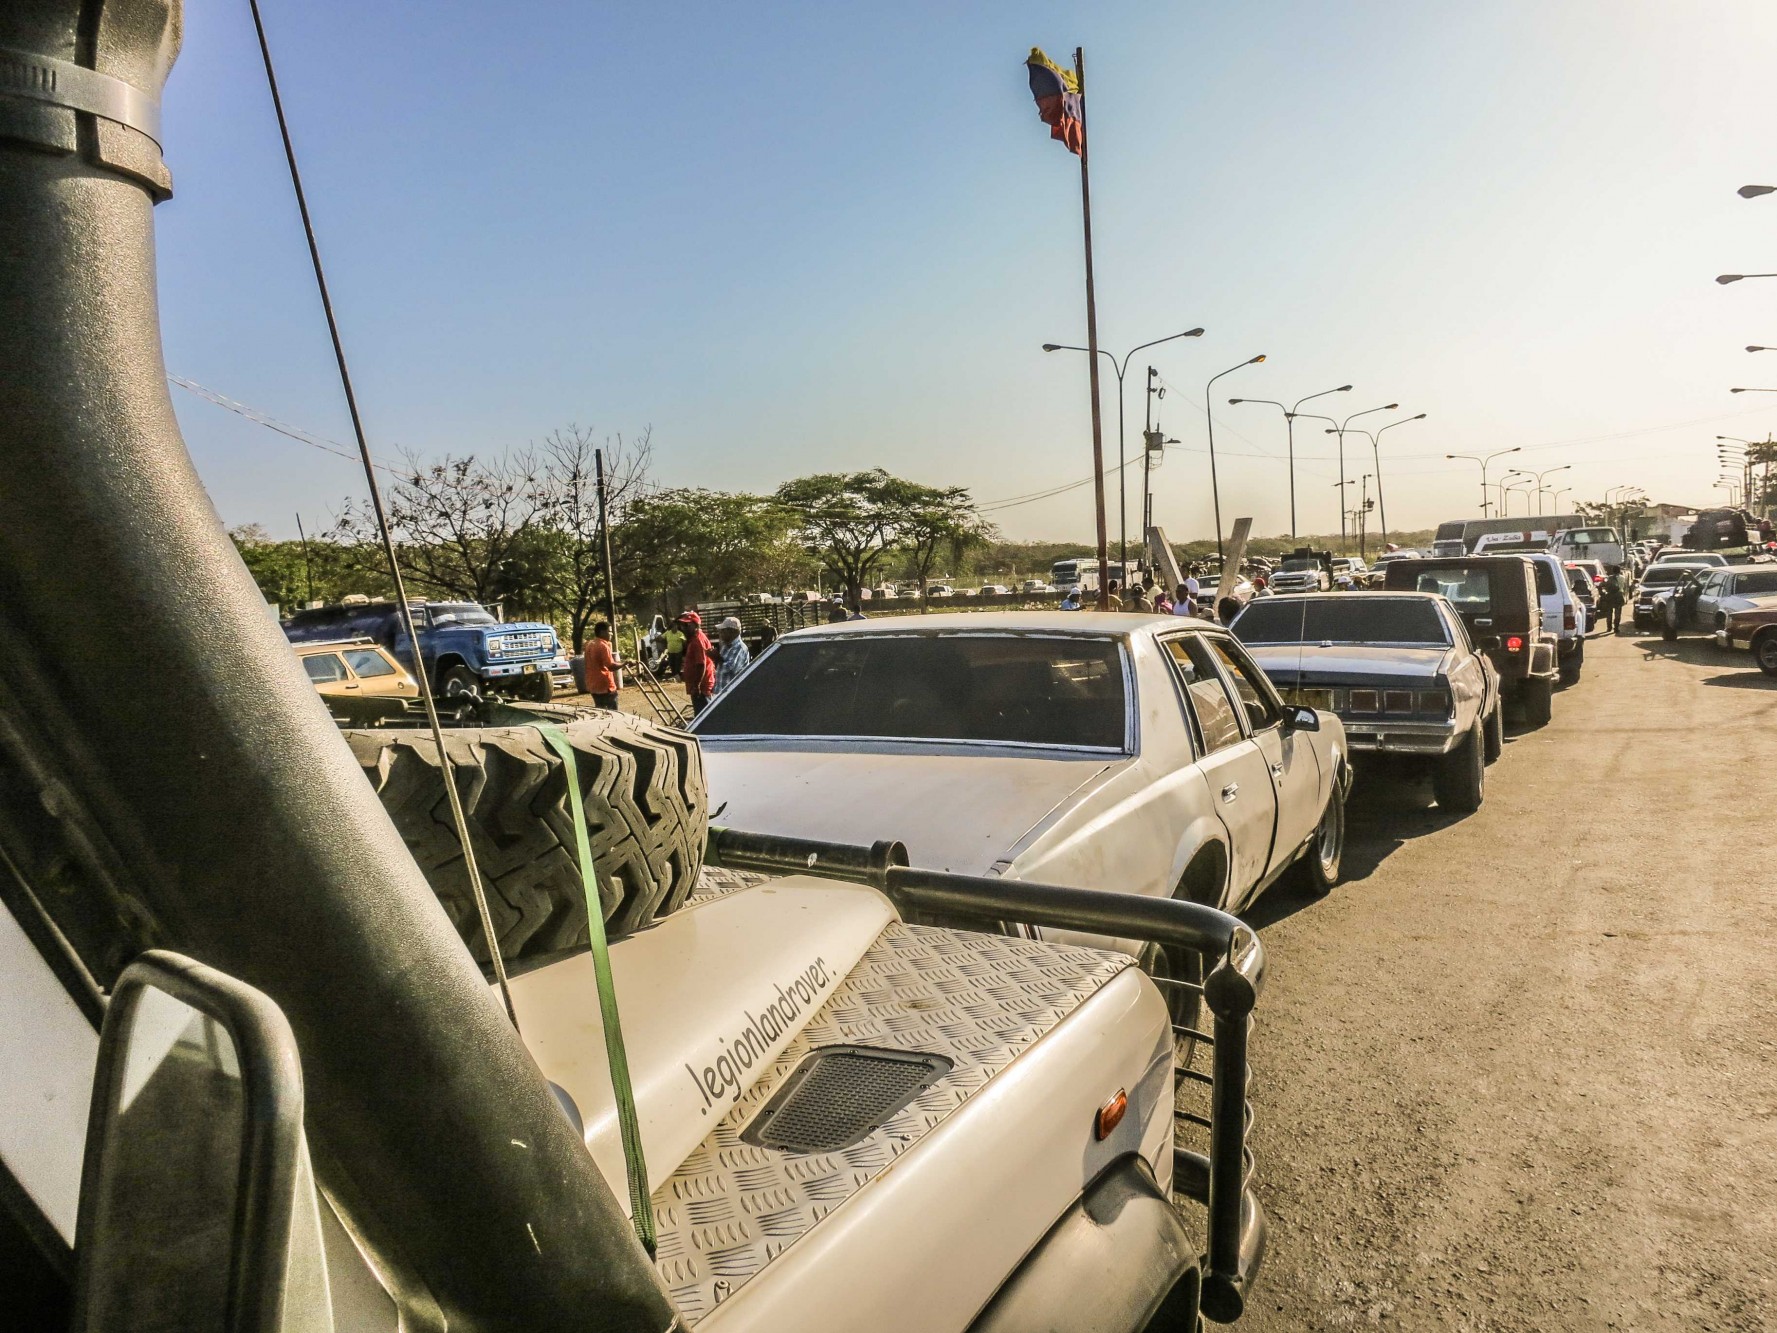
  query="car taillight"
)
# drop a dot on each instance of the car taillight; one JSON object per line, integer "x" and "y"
{"x": 1567, "y": 617}
{"x": 1514, "y": 644}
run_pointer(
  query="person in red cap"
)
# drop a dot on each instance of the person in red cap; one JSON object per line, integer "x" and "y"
{"x": 699, "y": 670}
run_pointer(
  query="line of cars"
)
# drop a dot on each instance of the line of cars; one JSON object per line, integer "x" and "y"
{"x": 1730, "y": 597}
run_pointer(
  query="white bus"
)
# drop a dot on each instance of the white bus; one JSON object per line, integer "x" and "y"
{"x": 1082, "y": 573}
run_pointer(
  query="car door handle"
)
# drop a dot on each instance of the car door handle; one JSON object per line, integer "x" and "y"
{"x": 1230, "y": 792}
{"x": 1277, "y": 771}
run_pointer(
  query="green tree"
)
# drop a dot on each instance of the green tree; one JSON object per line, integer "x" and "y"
{"x": 941, "y": 522}
{"x": 688, "y": 545}
{"x": 854, "y": 521}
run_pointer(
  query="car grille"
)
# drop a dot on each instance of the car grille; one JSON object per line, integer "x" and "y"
{"x": 528, "y": 644}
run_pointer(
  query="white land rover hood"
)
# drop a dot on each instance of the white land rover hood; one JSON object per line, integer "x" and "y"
{"x": 957, "y": 811}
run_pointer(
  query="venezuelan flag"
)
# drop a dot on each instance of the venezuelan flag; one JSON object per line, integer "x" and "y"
{"x": 1058, "y": 100}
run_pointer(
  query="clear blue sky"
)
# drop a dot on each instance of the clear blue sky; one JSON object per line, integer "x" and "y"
{"x": 808, "y": 237}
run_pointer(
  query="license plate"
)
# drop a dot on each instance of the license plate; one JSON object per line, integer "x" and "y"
{"x": 530, "y": 668}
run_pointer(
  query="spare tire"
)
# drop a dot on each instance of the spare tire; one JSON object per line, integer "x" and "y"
{"x": 646, "y": 816}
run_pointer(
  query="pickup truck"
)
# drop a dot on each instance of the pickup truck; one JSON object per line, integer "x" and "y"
{"x": 464, "y": 647}
{"x": 1399, "y": 670}
{"x": 217, "y": 951}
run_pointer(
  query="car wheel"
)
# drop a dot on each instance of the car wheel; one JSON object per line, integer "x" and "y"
{"x": 1494, "y": 734}
{"x": 1764, "y": 652}
{"x": 537, "y": 689}
{"x": 645, "y": 810}
{"x": 1316, "y": 871}
{"x": 1571, "y": 665}
{"x": 459, "y": 681}
{"x": 1538, "y": 699}
{"x": 1459, "y": 781}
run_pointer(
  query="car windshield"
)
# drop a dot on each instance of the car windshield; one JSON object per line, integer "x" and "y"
{"x": 1658, "y": 576}
{"x": 1294, "y": 566}
{"x": 460, "y": 613}
{"x": 1062, "y": 690}
{"x": 1345, "y": 619}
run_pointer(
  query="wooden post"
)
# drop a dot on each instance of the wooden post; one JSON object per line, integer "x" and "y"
{"x": 598, "y": 463}
{"x": 1104, "y": 590}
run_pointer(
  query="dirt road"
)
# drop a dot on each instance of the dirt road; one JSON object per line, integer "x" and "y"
{"x": 1520, "y": 1070}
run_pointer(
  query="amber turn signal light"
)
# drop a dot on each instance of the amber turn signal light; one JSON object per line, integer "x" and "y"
{"x": 1110, "y": 1115}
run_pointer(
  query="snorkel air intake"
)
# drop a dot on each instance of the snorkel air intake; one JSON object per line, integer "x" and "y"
{"x": 168, "y": 776}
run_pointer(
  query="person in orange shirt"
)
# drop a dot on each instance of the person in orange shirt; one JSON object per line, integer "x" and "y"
{"x": 601, "y": 667}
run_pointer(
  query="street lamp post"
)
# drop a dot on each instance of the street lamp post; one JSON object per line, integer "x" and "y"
{"x": 1505, "y": 492}
{"x": 1376, "y": 456}
{"x": 1484, "y": 460}
{"x": 1122, "y": 464}
{"x": 1726, "y": 278}
{"x": 1209, "y": 417}
{"x": 1555, "y": 503}
{"x": 1540, "y": 488}
{"x": 1289, "y": 422}
{"x": 1340, "y": 432}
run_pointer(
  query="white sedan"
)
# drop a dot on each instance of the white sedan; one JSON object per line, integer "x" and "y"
{"x": 1146, "y": 754}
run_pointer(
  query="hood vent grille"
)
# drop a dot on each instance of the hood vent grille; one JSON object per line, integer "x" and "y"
{"x": 840, "y": 1095}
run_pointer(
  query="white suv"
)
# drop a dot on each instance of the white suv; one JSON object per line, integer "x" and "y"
{"x": 1563, "y": 614}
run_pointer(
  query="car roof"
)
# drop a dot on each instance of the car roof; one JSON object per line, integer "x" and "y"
{"x": 308, "y": 646}
{"x": 1362, "y": 594}
{"x": 1099, "y": 624}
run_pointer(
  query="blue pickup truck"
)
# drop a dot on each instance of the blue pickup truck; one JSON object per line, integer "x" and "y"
{"x": 465, "y": 648}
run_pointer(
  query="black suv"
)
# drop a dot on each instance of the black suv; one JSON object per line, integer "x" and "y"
{"x": 1497, "y": 599}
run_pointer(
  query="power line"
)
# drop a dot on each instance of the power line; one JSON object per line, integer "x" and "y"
{"x": 254, "y": 415}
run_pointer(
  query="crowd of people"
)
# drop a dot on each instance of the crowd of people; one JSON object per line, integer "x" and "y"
{"x": 1149, "y": 595}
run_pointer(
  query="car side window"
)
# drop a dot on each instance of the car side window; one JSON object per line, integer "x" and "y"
{"x": 366, "y": 663}
{"x": 1458, "y": 630}
{"x": 1250, "y": 685}
{"x": 324, "y": 668}
{"x": 1210, "y": 702}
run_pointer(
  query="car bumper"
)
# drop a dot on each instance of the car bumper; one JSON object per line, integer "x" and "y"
{"x": 1373, "y": 737}
{"x": 552, "y": 666}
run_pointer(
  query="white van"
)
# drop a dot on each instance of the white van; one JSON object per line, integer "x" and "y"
{"x": 1601, "y": 544}
{"x": 1564, "y": 615}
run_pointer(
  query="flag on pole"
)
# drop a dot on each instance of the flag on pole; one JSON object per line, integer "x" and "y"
{"x": 1058, "y": 100}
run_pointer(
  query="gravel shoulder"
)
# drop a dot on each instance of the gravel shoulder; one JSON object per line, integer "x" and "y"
{"x": 1517, "y": 1073}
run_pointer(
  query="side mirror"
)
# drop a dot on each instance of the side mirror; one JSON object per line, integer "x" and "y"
{"x": 197, "y": 1200}
{"x": 1301, "y": 719}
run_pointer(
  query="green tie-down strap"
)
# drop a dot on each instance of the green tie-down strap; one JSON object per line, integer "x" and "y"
{"x": 641, "y": 1206}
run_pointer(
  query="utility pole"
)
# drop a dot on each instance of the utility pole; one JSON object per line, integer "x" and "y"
{"x": 308, "y": 567}
{"x": 598, "y": 463}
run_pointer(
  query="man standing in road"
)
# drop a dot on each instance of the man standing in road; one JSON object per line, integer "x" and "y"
{"x": 601, "y": 667}
{"x": 1611, "y": 598}
{"x": 675, "y": 649}
{"x": 736, "y": 657}
{"x": 699, "y": 672}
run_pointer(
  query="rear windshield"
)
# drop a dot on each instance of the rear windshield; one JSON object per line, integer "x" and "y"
{"x": 1586, "y": 536}
{"x": 1658, "y": 576}
{"x": 1028, "y": 691}
{"x": 1470, "y": 590}
{"x": 1545, "y": 578}
{"x": 1763, "y": 581}
{"x": 1346, "y": 619}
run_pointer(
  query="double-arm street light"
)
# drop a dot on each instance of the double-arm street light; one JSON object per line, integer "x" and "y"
{"x": 1507, "y": 486}
{"x": 1122, "y": 464}
{"x": 1209, "y": 416}
{"x": 1555, "y": 503}
{"x": 1484, "y": 460}
{"x": 1376, "y": 457}
{"x": 1289, "y": 422}
{"x": 1339, "y": 430}
{"x": 1540, "y": 488}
